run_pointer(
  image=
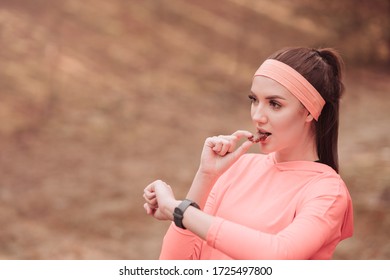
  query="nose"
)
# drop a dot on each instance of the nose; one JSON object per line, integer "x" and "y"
{"x": 259, "y": 114}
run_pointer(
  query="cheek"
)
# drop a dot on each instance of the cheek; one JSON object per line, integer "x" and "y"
{"x": 286, "y": 124}
{"x": 291, "y": 121}
{"x": 253, "y": 112}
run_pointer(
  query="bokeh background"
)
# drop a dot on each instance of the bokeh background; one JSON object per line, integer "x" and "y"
{"x": 99, "y": 98}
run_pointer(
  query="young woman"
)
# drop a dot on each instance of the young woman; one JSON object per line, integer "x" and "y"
{"x": 288, "y": 202}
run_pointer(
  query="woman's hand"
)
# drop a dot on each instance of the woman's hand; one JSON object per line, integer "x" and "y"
{"x": 220, "y": 152}
{"x": 159, "y": 200}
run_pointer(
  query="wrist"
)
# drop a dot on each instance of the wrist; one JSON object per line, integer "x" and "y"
{"x": 206, "y": 176}
{"x": 170, "y": 208}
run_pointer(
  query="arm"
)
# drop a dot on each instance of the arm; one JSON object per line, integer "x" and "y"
{"x": 178, "y": 243}
{"x": 201, "y": 186}
{"x": 183, "y": 244}
{"x": 318, "y": 221}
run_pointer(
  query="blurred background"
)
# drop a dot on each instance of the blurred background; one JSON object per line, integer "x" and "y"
{"x": 99, "y": 98}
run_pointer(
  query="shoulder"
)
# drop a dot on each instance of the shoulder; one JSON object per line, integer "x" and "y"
{"x": 328, "y": 197}
{"x": 328, "y": 186}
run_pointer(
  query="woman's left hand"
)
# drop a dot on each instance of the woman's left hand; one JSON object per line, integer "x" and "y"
{"x": 159, "y": 200}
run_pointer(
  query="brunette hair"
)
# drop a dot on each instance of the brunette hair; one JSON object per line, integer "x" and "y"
{"x": 323, "y": 69}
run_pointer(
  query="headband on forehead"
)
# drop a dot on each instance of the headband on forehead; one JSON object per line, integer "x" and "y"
{"x": 295, "y": 83}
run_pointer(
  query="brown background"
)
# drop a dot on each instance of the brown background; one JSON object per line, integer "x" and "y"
{"x": 98, "y": 98}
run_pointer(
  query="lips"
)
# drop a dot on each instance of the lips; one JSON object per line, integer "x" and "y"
{"x": 261, "y": 136}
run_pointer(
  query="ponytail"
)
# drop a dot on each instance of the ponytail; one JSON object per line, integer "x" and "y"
{"x": 327, "y": 126}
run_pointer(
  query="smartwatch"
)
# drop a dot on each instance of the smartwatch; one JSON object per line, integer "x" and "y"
{"x": 179, "y": 212}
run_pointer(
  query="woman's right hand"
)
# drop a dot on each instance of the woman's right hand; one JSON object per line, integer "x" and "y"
{"x": 220, "y": 152}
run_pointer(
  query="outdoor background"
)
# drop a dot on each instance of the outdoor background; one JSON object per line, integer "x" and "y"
{"x": 99, "y": 98}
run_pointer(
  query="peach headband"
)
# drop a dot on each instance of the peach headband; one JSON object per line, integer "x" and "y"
{"x": 295, "y": 83}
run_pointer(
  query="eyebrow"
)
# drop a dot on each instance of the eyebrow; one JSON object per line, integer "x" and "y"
{"x": 275, "y": 97}
{"x": 271, "y": 96}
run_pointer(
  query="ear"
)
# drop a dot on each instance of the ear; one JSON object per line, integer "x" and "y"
{"x": 309, "y": 117}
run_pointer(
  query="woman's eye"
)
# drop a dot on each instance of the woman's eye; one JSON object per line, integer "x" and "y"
{"x": 274, "y": 104}
{"x": 252, "y": 98}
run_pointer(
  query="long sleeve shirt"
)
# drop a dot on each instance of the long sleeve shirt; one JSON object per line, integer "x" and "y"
{"x": 269, "y": 210}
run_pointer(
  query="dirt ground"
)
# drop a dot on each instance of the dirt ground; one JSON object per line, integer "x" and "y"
{"x": 99, "y": 98}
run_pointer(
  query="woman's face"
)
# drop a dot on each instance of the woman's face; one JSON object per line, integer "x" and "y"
{"x": 280, "y": 115}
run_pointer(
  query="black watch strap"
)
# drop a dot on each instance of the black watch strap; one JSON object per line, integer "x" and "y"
{"x": 179, "y": 212}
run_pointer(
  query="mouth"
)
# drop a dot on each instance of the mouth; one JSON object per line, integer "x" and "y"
{"x": 260, "y": 137}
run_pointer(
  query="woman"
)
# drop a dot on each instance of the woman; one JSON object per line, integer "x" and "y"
{"x": 287, "y": 202}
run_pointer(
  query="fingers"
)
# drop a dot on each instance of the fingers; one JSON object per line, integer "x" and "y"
{"x": 242, "y": 134}
{"x": 150, "y": 190}
{"x": 156, "y": 195}
{"x": 224, "y": 144}
{"x": 150, "y": 205}
{"x": 243, "y": 149}
{"x": 148, "y": 209}
{"x": 150, "y": 198}
{"x": 150, "y": 195}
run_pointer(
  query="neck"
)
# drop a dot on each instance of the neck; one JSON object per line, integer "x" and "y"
{"x": 306, "y": 150}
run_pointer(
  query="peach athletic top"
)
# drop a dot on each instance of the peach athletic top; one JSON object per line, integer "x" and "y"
{"x": 269, "y": 210}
